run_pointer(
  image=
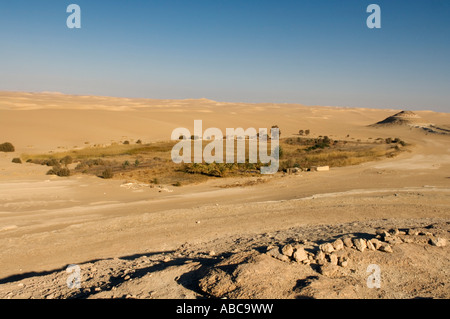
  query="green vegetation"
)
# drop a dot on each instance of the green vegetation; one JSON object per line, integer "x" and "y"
{"x": 107, "y": 173}
{"x": 17, "y": 160}
{"x": 143, "y": 162}
{"x": 7, "y": 147}
{"x": 59, "y": 171}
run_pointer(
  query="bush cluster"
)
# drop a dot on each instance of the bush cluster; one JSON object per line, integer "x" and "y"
{"x": 7, "y": 148}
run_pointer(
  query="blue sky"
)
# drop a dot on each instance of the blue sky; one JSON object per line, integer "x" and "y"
{"x": 314, "y": 52}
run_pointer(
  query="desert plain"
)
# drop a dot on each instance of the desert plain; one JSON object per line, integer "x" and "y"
{"x": 222, "y": 237}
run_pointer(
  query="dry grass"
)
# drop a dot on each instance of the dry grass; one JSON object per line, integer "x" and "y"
{"x": 146, "y": 163}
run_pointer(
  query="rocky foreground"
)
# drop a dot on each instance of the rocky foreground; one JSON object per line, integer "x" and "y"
{"x": 411, "y": 259}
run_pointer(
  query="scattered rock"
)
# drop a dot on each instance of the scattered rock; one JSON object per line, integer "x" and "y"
{"x": 275, "y": 253}
{"x": 300, "y": 254}
{"x": 320, "y": 258}
{"x": 343, "y": 261}
{"x": 328, "y": 269}
{"x": 326, "y": 248}
{"x": 333, "y": 259}
{"x": 413, "y": 232}
{"x": 376, "y": 243}
{"x": 370, "y": 245}
{"x": 439, "y": 242}
{"x": 348, "y": 242}
{"x": 360, "y": 244}
{"x": 386, "y": 248}
{"x": 338, "y": 244}
{"x": 287, "y": 250}
{"x": 393, "y": 231}
{"x": 393, "y": 240}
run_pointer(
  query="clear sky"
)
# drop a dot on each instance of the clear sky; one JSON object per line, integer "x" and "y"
{"x": 314, "y": 52}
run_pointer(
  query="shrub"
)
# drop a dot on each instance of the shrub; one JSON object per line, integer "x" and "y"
{"x": 66, "y": 160}
{"x": 7, "y": 148}
{"x": 17, "y": 160}
{"x": 59, "y": 171}
{"x": 107, "y": 173}
{"x": 126, "y": 142}
{"x": 138, "y": 142}
{"x": 177, "y": 184}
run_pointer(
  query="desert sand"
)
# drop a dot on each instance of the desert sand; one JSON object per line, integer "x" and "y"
{"x": 141, "y": 242}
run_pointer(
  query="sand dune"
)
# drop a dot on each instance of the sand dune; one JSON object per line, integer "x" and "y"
{"x": 47, "y": 222}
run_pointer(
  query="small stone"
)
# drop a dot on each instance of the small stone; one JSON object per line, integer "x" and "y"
{"x": 320, "y": 258}
{"x": 343, "y": 261}
{"x": 386, "y": 248}
{"x": 408, "y": 240}
{"x": 376, "y": 243}
{"x": 348, "y": 242}
{"x": 287, "y": 250}
{"x": 370, "y": 245}
{"x": 360, "y": 244}
{"x": 413, "y": 232}
{"x": 393, "y": 232}
{"x": 212, "y": 253}
{"x": 328, "y": 269}
{"x": 438, "y": 242}
{"x": 100, "y": 289}
{"x": 127, "y": 277}
{"x": 338, "y": 244}
{"x": 300, "y": 254}
{"x": 333, "y": 259}
{"x": 394, "y": 240}
{"x": 326, "y": 248}
{"x": 275, "y": 253}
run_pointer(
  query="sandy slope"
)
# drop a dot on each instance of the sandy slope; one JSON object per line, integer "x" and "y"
{"x": 47, "y": 223}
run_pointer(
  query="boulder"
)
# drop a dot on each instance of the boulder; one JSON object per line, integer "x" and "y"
{"x": 393, "y": 240}
{"x": 360, "y": 244}
{"x": 287, "y": 250}
{"x": 376, "y": 243}
{"x": 338, "y": 244}
{"x": 386, "y": 248}
{"x": 275, "y": 253}
{"x": 300, "y": 254}
{"x": 328, "y": 269}
{"x": 320, "y": 258}
{"x": 326, "y": 248}
{"x": 370, "y": 245}
{"x": 343, "y": 261}
{"x": 439, "y": 242}
{"x": 393, "y": 231}
{"x": 333, "y": 259}
{"x": 348, "y": 242}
